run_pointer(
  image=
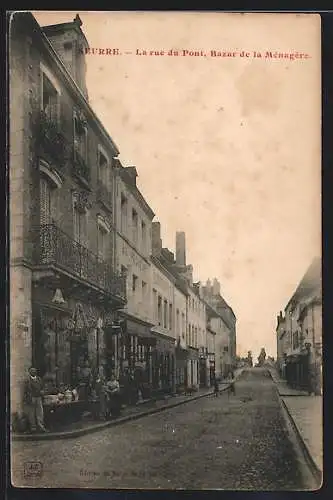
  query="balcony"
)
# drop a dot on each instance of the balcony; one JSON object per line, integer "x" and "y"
{"x": 51, "y": 144}
{"x": 55, "y": 248}
{"x": 104, "y": 196}
{"x": 80, "y": 168}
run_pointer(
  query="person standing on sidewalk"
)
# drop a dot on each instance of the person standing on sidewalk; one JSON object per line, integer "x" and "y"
{"x": 32, "y": 396}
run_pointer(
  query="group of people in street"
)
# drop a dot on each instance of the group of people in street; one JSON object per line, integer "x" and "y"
{"x": 104, "y": 395}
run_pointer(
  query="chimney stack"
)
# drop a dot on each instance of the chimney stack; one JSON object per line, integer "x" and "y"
{"x": 156, "y": 239}
{"x": 180, "y": 249}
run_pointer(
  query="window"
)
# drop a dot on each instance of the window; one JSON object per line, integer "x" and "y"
{"x": 50, "y": 99}
{"x": 155, "y": 305}
{"x": 123, "y": 212}
{"x": 159, "y": 310}
{"x": 102, "y": 243}
{"x": 134, "y": 283}
{"x": 226, "y": 348}
{"x": 103, "y": 169}
{"x": 177, "y": 323}
{"x": 170, "y": 317}
{"x": 134, "y": 226}
{"x": 79, "y": 222}
{"x": 144, "y": 291}
{"x": 144, "y": 236}
{"x": 80, "y": 138}
{"x": 123, "y": 270}
{"x": 165, "y": 316}
{"x": 183, "y": 325}
{"x": 45, "y": 201}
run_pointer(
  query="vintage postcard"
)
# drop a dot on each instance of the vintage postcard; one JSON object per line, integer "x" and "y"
{"x": 165, "y": 250}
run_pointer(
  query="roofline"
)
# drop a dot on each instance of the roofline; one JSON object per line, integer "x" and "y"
{"x": 72, "y": 84}
{"x": 135, "y": 190}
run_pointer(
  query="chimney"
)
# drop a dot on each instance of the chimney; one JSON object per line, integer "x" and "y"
{"x": 180, "y": 249}
{"x": 156, "y": 239}
{"x": 132, "y": 175}
{"x": 216, "y": 287}
{"x": 71, "y": 45}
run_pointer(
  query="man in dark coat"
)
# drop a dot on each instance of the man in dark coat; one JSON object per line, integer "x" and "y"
{"x": 33, "y": 393}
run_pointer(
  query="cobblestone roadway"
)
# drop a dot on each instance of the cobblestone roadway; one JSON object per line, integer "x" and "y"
{"x": 239, "y": 442}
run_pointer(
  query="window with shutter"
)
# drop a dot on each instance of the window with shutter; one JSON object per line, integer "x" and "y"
{"x": 45, "y": 202}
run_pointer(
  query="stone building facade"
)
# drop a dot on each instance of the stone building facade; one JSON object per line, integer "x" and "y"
{"x": 299, "y": 333}
{"x": 90, "y": 282}
{"x": 64, "y": 286}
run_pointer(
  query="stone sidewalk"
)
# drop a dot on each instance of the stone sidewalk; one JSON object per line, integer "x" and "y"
{"x": 307, "y": 414}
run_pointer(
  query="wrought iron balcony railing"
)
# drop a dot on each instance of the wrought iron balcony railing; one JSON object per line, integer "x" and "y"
{"x": 54, "y": 247}
{"x": 104, "y": 195}
{"x": 50, "y": 141}
{"x": 79, "y": 166}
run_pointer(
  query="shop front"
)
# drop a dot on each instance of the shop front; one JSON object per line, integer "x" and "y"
{"x": 181, "y": 357}
{"x": 135, "y": 345}
{"x": 69, "y": 342}
{"x": 163, "y": 363}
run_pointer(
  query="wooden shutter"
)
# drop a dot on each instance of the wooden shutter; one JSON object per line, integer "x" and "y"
{"x": 45, "y": 202}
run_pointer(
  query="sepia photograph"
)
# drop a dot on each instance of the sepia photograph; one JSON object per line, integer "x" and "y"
{"x": 165, "y": 250}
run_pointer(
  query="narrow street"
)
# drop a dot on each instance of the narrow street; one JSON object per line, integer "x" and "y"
{"x": 234, "y": 442}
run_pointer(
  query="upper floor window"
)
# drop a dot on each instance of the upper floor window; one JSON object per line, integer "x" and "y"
{"x": 103, "y": 168}
{"x": 80, "y": 221}
{"x": 123, "y": 212}
{"x": 45, "y": 201}
{"x": 102, "y": 238}
{"x": 144, "y": 290}
{"x": 144, "y": 236}
{"x": 165, "y": 315}
{"x": 50, "y": 99}
{"x": 170, "y": 316}
{"x": 135, "y": 221}
{"x": 159, "y": 310}
{"x": 80, "y": 136}
{"x": 134, "y": 283}
{"x": 177, "y": 322}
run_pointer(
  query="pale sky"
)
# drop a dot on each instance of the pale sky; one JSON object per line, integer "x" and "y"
{"x": 227, "y": 149}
